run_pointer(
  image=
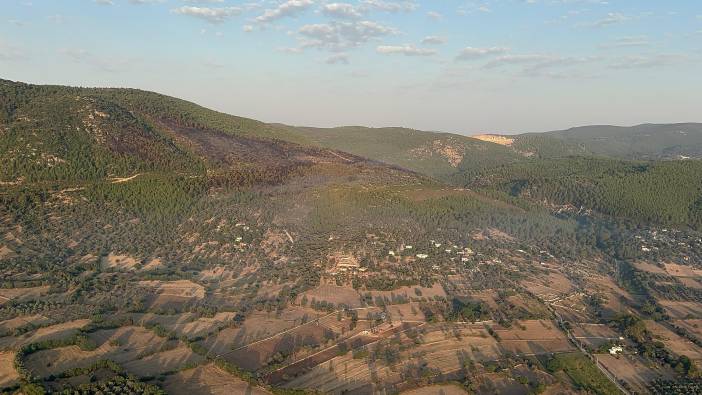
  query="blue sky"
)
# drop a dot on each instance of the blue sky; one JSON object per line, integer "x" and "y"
{"x": 452, "y": 65}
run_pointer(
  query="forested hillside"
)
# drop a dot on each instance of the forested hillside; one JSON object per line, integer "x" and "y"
{"x": 151, "y": 244}
{"x": 648, "y": 141}
{"x": 436, "y": 154}
{"x": 668, "y": 192}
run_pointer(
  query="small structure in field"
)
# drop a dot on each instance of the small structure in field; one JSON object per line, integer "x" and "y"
{"x": 345, "y": 262}
{"x": 615, "y": 350}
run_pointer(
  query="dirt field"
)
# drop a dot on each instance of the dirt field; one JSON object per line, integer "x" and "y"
{"x": 448, "y": 389}
{"x": 18, "y": 322}
{"x": 649, "y": 267}
{"x": 676, "y": 270}
{"x": 172, "y": 293}
{"x": 120, "y": 345}
{"x": 693, "y": 283}
{"x": 333, "y": 294}
{"x": 442, "y": 347}
{"x": 20, "y": 294}
{"x": 617, "y": 298}
{"x": 594, "y": 335}
{"x": 8, "y": 374}
{"x": 631, "y": 369}
{"x": 258, "y": 326}
{"x": 187, "y": 324}
{"x": 153, "y": 264}
{"x": 538, "y": 337}
{"x": 549, "y": 287}
{"x": 493, "y": 383}
{"x": 58, "y": 331}
{"x": 165, "y": 361}
{"x": 5, "y": 252}
{"x": 675, "y": 343}
{"x": 682, "y": 310}
{"x": 692, "y": 326}
{"x": 208, "y": 379}
{"x": 409, "y": 292}
{"x": 119, "y": 262}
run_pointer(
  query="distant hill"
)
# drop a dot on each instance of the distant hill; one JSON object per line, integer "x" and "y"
{"x": 663, "y": 192}
{"x": 648, "y": 141}
{"x": 642, "y": 142}
{"x": 436, "y": 154}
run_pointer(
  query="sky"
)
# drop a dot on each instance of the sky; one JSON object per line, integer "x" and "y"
{"x": 498, "y": 66}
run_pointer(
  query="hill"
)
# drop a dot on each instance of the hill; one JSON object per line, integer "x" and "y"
{"x": 667, "y": 192}
{"x": 436, "y": 154}
{"x": 642, "y": 142}
{"x": 149, "y": 244}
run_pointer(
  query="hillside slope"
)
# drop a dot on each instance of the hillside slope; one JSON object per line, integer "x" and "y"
{"x": 664, "y": 192}
{"x": 647, "y": 141}
{"x": 436, "y": 154}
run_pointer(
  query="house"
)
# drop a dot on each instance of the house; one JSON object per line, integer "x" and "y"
{"x": 345, "y": 262}
{"x": 616, "y": 350}
{"x": 422, "y": 256}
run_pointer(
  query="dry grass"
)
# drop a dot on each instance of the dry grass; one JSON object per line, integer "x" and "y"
{"x": 120, "y": 345}
{"x": 333, "y": 294}
{"x": 447, "y": 389}
{"x": 18, "y": 322}
{"x": 533, "y": 337}
{"x": 594, "y": 335}
{"x": 8, "y": 374}
{"x": 649, "y": 267}
{"x": 20, "y": 294}
{"x": 676, "y": 270}
{"x": 58, "y": 331}
{"x": 679, "y": 310}
{"x": 119, "y": 262}
{"x": 631, "y": 369}
{"x": 162, "y": 362}
{"x": 6, "y": 252}
{"x": 673, "y": 342}
{"x": 208, "y": 379}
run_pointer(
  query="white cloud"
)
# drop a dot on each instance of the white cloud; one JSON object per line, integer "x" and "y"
{"x": 471, "y": 53}
{"x": 139, "y": 2}
{"x": 212, "y": 15}
{"x": 336, "y": 35}
{"x": 517, "y": 59}
{"x": 391, "y": 6}
{"x": 433, "y": 40}
{"x": 10, "y": 52}
{"x": 106, "y": 64}
{"x": 407, "y": 50}
{"x": 647, "y": 61}
{"x": 104, "y": 2}
{"x": 286, "y": 9}
{"x": 612, "y": 18}
{"x": 340, "y": 58}
{"x": 631, "y": 41}
{"x": 341, "y": 10}
{"x": 434, "y": 15}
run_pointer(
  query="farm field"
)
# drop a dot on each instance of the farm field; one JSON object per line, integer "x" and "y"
{"x": 595, "y": 335}
{"x": 679, "y": 310}
{"x": 673, "y": 342}
{"x": 8, "y": 374}
{"x": 208, "y": 379}
{"x": 630, "y": 369}
{"x": 149, "y": 245}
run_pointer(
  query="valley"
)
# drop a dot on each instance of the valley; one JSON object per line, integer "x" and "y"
{"x": 151, "y": 245}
